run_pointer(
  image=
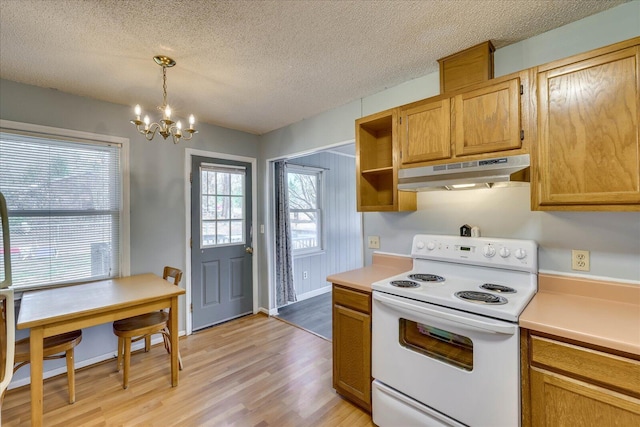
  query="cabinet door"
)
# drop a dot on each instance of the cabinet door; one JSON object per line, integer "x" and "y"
{"x": 589, "y": 141}
{"x": 352, "y": 355}
{"x": 425, "y": 132}
{"x": 487, "y": 120}
{"x": 557, "y": 400}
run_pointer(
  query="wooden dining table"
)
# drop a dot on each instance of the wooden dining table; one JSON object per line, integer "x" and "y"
{"x": 57, "y": 310}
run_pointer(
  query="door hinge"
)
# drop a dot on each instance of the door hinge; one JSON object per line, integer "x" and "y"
{"x": 191, "y": 307}
{"x": 521, "y": 90}
{"x": 190, "y": 243}
{"x": 522, "y": 135}
{"x": 191, "y": 177}
{"x": 400, "y": 119}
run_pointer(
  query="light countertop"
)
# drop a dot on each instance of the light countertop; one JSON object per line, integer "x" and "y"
{"x": 383, "y": 266}
{"x": 601, "y": 313}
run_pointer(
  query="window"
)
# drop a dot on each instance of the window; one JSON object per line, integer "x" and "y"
{"x": 305, "y": 208}
{"x": 222, "y": 200}
{"x": 65, "y": 202}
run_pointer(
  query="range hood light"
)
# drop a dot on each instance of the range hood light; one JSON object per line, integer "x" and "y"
{"x": 468, "y": 186}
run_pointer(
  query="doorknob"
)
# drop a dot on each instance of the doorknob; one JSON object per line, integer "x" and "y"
{"x": 249, "y": 250}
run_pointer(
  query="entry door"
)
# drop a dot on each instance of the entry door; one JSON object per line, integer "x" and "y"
{"x": 221, "y": 247}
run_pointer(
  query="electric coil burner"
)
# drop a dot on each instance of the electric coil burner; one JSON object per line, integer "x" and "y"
{"x": 404, "y": 284}
{"x": 426, "y": 277}
{"x": 481, "y": 297}
{"x": 498, "y": 288}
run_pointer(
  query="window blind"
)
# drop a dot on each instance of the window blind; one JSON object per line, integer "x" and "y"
{"x": 64, "y": 201}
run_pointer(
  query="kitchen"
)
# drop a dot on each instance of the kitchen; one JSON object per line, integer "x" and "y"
{"x": 611, "y": 237}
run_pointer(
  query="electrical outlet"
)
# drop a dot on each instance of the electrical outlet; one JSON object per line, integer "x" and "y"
{"x": 580, "y": 260}
{"x": 374, "y": 242}
{"x": 305, "y": 274}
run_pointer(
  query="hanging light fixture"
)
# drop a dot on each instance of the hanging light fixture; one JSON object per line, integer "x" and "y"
{"x": 165, "y": 127}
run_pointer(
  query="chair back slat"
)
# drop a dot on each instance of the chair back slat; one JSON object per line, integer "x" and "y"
{"x": 173, "y": 273}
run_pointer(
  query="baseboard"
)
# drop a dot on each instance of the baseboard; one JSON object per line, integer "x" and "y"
{"x": 313, "y": 293}
{"x": 156, "y": 339}
{"x": 270, "y": 312}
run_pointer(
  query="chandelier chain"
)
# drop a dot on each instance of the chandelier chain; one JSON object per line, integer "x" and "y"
{"x": 164, "y": 86}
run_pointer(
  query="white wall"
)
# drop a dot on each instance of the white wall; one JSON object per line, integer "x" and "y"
{"x": 613, "y": 238}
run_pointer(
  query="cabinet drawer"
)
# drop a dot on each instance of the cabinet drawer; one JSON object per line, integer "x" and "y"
{"x": 352, "y": 299}
{"x": 609, "y": 370}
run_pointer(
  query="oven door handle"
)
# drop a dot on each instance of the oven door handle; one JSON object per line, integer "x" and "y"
{"x": 497, "y": 327}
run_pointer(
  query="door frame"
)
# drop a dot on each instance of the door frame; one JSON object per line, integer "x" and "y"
{"x": 270, "y": 221}
{"x": 189, "y": 153}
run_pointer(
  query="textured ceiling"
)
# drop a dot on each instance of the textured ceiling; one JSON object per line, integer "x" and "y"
{"x": 255, "y": 66}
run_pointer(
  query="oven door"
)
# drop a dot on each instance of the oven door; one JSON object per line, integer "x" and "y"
{"x": 459, "y": 364}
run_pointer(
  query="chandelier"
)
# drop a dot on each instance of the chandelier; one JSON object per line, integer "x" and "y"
{"x": 165, "y": 127}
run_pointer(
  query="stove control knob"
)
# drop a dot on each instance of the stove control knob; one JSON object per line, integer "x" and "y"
{"x": 489, "y": 251}
{"x": 420, "y": 245}
{"x": 431, "y": 246}
{"x": 520, "y": 253}
{"x": 504, "y": 252}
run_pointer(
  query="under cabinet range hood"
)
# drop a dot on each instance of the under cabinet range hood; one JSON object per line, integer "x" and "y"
{"x": 472, "y": 174}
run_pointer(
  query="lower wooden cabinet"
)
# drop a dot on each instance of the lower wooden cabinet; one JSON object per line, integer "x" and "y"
{"x": 352, "y": 345}
{"x": 566, "y": 384}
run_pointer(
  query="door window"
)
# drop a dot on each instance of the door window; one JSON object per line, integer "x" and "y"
{"x": 450, "y": 348}
{"x": 222, "y": 200}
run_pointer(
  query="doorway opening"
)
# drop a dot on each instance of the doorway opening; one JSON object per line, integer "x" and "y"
{"x": 317, "y": 232}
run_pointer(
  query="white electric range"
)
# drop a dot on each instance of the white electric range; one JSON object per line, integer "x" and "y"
{"x": 445, "y": 347}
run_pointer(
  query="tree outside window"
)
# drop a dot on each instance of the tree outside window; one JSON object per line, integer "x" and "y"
{"x": 305, "y": 210}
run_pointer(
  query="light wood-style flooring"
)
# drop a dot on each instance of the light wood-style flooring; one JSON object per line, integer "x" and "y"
{"x": 254, "y": 371}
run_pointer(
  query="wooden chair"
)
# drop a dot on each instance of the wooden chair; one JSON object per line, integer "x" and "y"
{"x": 135, "y": 328}
{"x": 55, "y": 347}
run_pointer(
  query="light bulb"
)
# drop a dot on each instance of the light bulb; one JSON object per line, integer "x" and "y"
{"x": 179, "y": 125}
{"x": 192, "y": 120}
{"x": 167, "y": 113}
{"x": 138, "y": 111}
{"x": 146, "y": 122}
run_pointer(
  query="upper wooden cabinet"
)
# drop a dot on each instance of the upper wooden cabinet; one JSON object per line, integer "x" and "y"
{"x": 425, "y": 132}
{"x": 467, "y": 67}
{"x": 485, "y": 120}
{"x": 377, "y": 165}
{"x": 588, "y": 151}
